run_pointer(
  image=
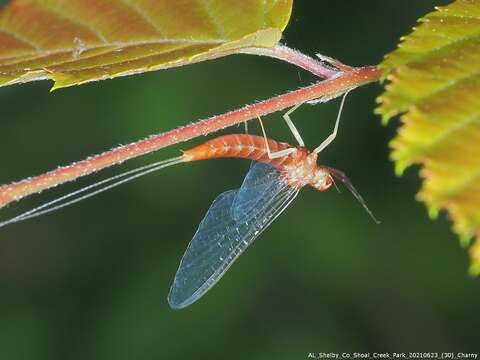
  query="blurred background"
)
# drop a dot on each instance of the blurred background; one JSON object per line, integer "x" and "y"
{"x": 91, "y": 281}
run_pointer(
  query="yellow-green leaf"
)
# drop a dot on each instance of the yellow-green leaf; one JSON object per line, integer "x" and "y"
{"x": 77, "y": 41}
{"x": 434, "y": 82}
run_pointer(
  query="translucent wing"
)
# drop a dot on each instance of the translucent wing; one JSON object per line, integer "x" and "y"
{"x": 221, "y": 237}
{"x": 261, "y": 179}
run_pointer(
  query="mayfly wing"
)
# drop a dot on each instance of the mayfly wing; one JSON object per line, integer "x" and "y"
{"x": 221, "y": 238}
{"x": 261, "y": 179}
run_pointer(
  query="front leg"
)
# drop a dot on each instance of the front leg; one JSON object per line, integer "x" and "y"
{"x": 292, "y": 127}
{"x": 332, "y": 136}
{"x": 276, "y": 154}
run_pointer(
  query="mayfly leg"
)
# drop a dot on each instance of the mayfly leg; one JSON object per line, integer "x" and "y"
{"x": 276, "y": 154}
{"x": 332, "y": 136}
{"x": 291, "y": 126}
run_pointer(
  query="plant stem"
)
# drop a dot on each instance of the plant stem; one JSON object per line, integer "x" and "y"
{"x": 299, "y": 59}
{"x": 327, "y": 89}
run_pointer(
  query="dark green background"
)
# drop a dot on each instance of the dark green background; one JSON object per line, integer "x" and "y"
{"x": 90, "y": 282}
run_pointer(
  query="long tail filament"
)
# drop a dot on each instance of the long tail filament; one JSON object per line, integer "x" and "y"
{"x": 72, "y": 198}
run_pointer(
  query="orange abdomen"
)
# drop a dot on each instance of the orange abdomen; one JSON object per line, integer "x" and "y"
{"x": 237, "y": 146}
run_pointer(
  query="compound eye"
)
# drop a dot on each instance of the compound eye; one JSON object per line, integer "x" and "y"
{"x": 328, "y": 183}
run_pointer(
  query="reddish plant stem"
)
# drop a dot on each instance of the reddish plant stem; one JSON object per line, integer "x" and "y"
{"x": 299, "y": 59}
{"x": 327, "y": 89}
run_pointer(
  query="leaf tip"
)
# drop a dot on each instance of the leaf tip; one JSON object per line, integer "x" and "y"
{"x": 433, "y": 212}
{"x": 465, "y": 240}
{"x": 475, "y": 256}
{"x": 57, "y": 85}
{"x": 400, "y": 167}
{"x": 379, "y": 110}
{"x": 474, "y": 270}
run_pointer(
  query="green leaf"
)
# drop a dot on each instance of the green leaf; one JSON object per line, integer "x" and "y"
{"x": 77, "y": 41}
{"x": 434, "y": 82}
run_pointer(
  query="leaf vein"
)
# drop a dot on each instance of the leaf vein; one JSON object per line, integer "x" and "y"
{"x": 122, "y": 61}
{"x": 122, "y": 45}
{"x": 449, "y": 131}
{"x": 443, "y": 14}
{"x": 448, "y": 85}
{"x": 22, "y": 39}
{"x": 144, "y": 16}
{"x": 75, "y": 21}
{"x": 264, "y": 12}
{"x": 427, "y": 52}
{"x": 213, "y": 19}
{"x": 464, "y": 184}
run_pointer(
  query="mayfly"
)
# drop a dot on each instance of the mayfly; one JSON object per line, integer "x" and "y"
{"x": 236, "y": 217}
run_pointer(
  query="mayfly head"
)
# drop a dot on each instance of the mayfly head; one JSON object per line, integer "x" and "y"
{"x": 322, "y": 179}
